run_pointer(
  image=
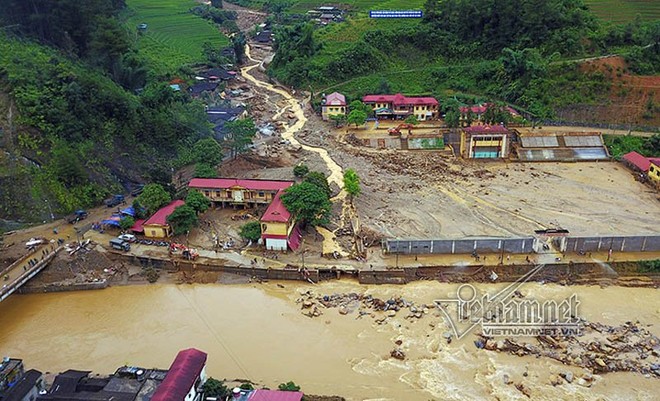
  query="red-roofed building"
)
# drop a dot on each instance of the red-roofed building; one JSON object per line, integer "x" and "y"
{"x": 654, "y": 170}
{"x": 485, "y": 142}
{"x": 332, "y": 105}
{"x": 272, "y": 395}
{"x": 156, "y": 226}
{"x": 399, "y": 106}
{"x": 184, "y": 379}
{"x": 277, "y": 224}
{"x": 635, "y": 161}
{"x": 479, "y": 110}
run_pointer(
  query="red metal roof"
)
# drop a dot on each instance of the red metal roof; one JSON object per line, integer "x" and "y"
{"x": 276, "y": 211}
{"x": 399, "y": 99}
{"x": 160, "y": 217}
{"x": 137, "y": 227}
{"x": 335, "y": 99}
{"x": 637, "y": 160}
{"x": 486, "y": 129}
{"x": 183, "y": 373}
{"x": 225, "y": 183}
{"x": 272, "y": 395}
{"x": 481, "y": 108}
{"x": 655, "y": 160}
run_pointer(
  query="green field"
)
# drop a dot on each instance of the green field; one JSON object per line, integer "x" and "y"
{"x": 620, "y": 11}
{"x": 174, "y": 36}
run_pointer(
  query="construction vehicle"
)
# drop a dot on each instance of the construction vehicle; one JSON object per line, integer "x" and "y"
{"x": 186, "y": 253}
{"x": 397, "y": 130}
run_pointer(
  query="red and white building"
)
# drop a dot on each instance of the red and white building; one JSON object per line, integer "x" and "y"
{"x": 400, "y": 107}
{"x": 184, "y": 379}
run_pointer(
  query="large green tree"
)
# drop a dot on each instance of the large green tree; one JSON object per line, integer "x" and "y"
{"x": 251, "y": 231}
{"x": 207, "y": 151}
{"x": 320, "y": 180}
{"x": 197, "y": 201}
{"x": 182, "y": 219}
{"x": 239, "y": 134}
{"x": 357, "y": 117}
{"x": 352, "y": 183}
{"x": 153, "y": 197}
{"x": 308, "y": 203}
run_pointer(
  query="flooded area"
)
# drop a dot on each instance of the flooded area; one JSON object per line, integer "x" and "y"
{"x": 257, "y": 331}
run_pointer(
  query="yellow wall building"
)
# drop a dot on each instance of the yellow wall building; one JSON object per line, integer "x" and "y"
{"x": 654, "y": 170}
{"x": 156, "y": 226}
{"x": 334, "y": 104}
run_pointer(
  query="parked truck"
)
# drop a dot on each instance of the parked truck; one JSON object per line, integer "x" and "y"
{"x": 76, "y": 216}
{"x": 114, "y": 201}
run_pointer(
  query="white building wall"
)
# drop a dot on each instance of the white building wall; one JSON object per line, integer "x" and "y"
{"x": 276, "y": 244}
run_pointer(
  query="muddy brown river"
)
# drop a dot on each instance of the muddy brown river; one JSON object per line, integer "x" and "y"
{"x": 257, "y": 331}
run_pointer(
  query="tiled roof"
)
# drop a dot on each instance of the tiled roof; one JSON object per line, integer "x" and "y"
{"x": 399, "y": 99}
{"x": 226, "y": 183}
{"x": 335, "y": 99}
{"x": 160, "y": 217}
{"x": 276, "y": 211}
{"x": 486, "y": 129}
{"x": 181, "y": 376}
{"x": 637, "y": 160}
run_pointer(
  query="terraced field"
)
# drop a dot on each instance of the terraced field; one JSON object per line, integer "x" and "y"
{"x": 174, "y": 37}
{"x": 621, "y": 11}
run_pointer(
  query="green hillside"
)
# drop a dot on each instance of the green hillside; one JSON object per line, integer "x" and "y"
{"x": 174, "y": 36}
{"x": 621, "y": 11}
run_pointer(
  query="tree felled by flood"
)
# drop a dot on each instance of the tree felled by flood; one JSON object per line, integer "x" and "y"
{"x": 197, "y": 201}
{"x": 308, "y": 203}
{"x": 153, "y": 197}
{"x": 251, "y": 231}
{"x": 182, "y": 219}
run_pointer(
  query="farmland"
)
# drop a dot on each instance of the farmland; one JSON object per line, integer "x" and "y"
{"x": 621, "y": 11}
{"x": 174, "y": 37}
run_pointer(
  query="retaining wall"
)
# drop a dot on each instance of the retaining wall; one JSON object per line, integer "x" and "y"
{"x": 462, "y": 246}
{"x": 636, "y": 243}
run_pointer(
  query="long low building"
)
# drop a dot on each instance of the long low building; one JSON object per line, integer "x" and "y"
{"x": 399, "y": 106}
{"x": 278, "y": 226}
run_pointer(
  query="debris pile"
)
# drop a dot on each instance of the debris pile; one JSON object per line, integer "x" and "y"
{"x": 362, "y": 304}
{"x": 599, "y": 348}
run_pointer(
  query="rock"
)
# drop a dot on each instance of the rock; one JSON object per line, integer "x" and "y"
{"x": 480, "y": 343}
{"x": 391, "y": 313}
{"x": 555, "y": 380}
{"x": 500, "y": 345}
{"x": 583, "y": 383}
{"x": 506, "y": 379}
{"x": 568, "y": 376}
{"x": 307, "y": 304}
{"x": 523, "y": 390}
{"x": 343, "y": 311}
{"x": 600, "y": 362}
{"x": 398, "y": 342}
{"x": 398, "y": 354}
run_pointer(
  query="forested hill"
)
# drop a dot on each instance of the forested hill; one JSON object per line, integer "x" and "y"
{"x": 508, "y": 50}
{"x": 80, "y": 112}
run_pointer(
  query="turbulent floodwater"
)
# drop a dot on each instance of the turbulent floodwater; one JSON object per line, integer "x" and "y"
{"x": 258, "y": 332}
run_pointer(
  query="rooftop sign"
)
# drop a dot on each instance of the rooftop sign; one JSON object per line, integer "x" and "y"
{"x": 396, "y": 14}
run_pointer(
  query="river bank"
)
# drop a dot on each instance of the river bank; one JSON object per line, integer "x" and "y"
{"x": 258, "y": 331}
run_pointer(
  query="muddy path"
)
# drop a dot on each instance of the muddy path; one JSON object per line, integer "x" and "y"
{"x": 295, "y": 106}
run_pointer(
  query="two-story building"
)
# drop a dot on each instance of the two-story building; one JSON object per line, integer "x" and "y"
{"x": 399, "y": 107}
{"x": 278, "y": 226}
{"x": 332, "y": 105}
{"x": 157, "y": 226}
{"x": 485, "y": 142}
{"x": 184, "y": 379}
{"x": 648, "y": 167}
{"x": 654, "y": 170}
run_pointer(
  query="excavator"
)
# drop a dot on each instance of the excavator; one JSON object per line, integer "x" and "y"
{"x": 397, "y": 130}
{"x": 186, "y": 253}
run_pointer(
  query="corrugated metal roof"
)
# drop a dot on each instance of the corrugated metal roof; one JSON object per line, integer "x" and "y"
{"x": 583, "y": 141}
{"x": 226, "y": 183}
{"x": 399, "y": 99}
{"x": 539, "y": 141}
{"x": 562, "y": 154}
{"x": 637, "y": 160}
{"x": 160, "y": 217}
{"x": 271, "y": 395}
{"x": 181, "y": 376}
{"x": 276, "y": 211}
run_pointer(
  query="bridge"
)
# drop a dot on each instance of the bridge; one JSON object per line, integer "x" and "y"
{"x": 21, "y": 271}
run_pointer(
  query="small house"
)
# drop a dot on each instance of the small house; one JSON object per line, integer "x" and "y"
{"x": 332, "y": 105}
{"x": 203, "y": 87}
{"x": 184, "y": 379}
{"x": 654, "y": 170}
{"x": 157, "y": 226}
{"x": 485, "y": 142}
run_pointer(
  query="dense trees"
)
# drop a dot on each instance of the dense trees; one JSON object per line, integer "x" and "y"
{"x": 308, "y": 203}
{"x": 197, "y": 201}
{"x": 319, "y": 180}
{"x": 351, "y": 183}
{"x": 239, "y": 134}
{"x": 300, "y": 170}
{"x": 182, "y": 219}
{"x": 153, "y": 197}
{"x": 251, "y": 231}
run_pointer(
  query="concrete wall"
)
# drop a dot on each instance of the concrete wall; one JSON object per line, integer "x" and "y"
{"x": 464, "y": 246}
{"x": 639, "y": 243}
